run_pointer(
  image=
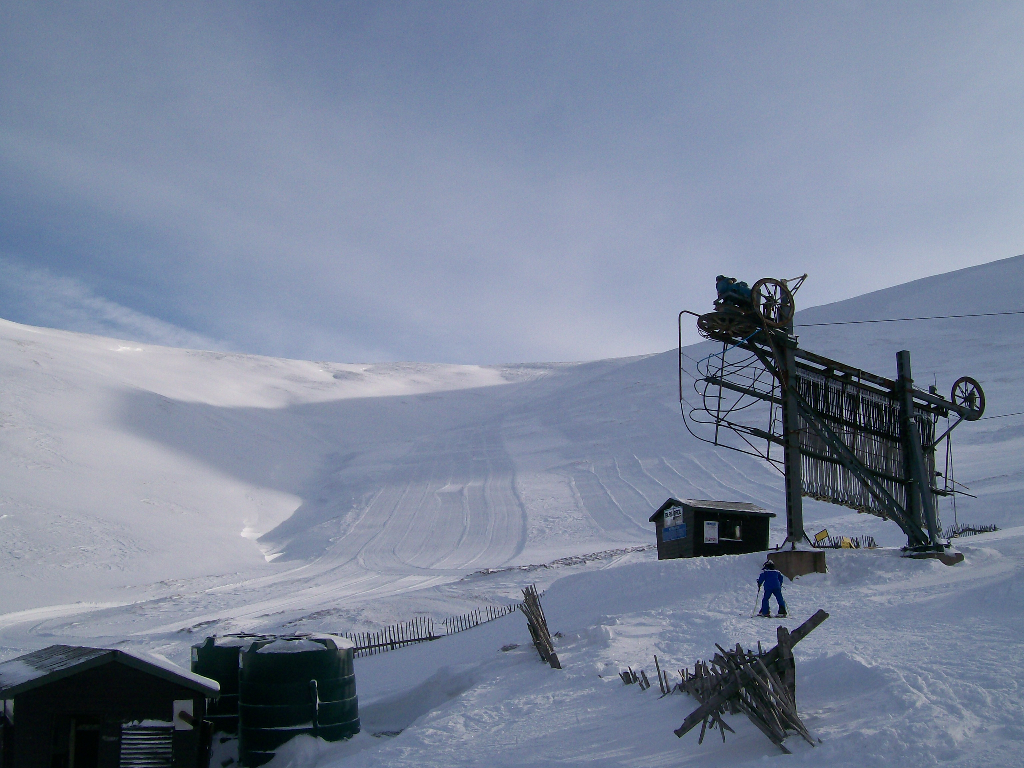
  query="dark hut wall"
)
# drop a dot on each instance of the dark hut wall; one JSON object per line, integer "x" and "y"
{"x": 678, "y": 547}
{"x": 753, "y": 533}
{"x": 104, "y": 696}
{"x": 680, "y": 527}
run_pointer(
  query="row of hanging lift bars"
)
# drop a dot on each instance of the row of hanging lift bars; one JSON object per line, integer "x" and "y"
{"x": 837, "y": 433}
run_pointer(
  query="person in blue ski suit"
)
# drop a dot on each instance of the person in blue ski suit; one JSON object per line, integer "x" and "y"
{"x": 771, "y": 580}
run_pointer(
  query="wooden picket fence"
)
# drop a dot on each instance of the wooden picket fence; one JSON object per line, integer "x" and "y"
{"x": 956, "y": 531}
{"x": 846, "y": 542}
{"x": 475, "y": 618}
{"x": 421, "y": 630}
{"x": 400, "y": 635}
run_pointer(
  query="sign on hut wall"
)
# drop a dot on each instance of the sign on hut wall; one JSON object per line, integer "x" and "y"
{"x": 710, "y": 531}
{"x": 674, "y": 528}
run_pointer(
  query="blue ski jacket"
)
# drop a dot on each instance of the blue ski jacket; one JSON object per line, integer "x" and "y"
{"x": 770, "y": 579}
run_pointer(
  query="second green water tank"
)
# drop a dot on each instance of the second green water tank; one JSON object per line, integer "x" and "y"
{"x": 289, "y": 686}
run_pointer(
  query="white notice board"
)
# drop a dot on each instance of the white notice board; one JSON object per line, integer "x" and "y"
{"x": 183, "y": 715}
{"x": 710, "y": 531}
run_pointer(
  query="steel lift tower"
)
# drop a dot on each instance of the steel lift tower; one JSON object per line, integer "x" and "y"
{"x": 838, "y": 433}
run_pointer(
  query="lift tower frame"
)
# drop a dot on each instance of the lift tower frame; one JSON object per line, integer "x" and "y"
{"x": 838, "y": 433}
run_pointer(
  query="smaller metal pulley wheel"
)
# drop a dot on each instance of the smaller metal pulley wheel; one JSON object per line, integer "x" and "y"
{"x": 773, "y": 302}
{"x": 967, "y": 393}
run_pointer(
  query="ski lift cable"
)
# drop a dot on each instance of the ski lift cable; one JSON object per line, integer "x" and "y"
{"x": 1002, "y": 415}
{"x": 907, "y": 319}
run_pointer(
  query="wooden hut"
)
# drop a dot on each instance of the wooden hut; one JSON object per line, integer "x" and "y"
{"x": 74, "y": 707}
{"x": 699, "y": 528}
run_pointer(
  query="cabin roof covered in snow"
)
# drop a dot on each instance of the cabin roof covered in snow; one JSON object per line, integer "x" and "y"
{"x": 60, "y": 661}
{"x": 741, "y": 507}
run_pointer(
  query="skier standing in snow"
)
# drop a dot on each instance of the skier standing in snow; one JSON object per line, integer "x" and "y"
{"x": 771, "y": 580}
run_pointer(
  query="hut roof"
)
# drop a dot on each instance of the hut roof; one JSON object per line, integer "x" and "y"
{"x": 716, "y": 506}
{"x": 59, "y": 661}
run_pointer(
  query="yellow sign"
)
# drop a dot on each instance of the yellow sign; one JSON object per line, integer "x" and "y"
{"x": 821, "y": 535}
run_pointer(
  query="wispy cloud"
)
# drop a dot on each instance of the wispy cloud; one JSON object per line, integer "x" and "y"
{"x": 493, "y": 182}
{"x": 38, "y": 297}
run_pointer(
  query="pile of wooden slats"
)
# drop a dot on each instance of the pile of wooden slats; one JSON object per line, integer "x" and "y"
{"x": 539, "y": 626}
{"x": 759, "y": 684}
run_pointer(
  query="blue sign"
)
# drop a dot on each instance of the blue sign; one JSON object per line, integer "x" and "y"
{"x": 673, "y": 533}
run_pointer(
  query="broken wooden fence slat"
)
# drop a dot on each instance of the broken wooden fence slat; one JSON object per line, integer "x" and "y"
{"x": 786, "y": 664}
{"x": 538, "y": 626}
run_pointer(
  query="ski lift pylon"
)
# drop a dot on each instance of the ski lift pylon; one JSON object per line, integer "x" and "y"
{"x": 836, "y": 432}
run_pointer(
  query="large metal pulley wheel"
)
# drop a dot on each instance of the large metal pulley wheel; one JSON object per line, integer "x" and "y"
{"x": 722, "y": 324}
{"x": 773, "y": 302}
{"x": 967, "y": 393}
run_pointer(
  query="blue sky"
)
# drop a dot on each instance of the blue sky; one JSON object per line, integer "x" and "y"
{"x": 490, "y": 182}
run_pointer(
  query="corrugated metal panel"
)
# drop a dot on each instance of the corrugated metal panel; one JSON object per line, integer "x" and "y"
{"x": 60, "y": 661}
{"x": 724, "y": 506}
{"x": 708, "y": 504}
{"x": 38, "y": 664}
{"x": 146, "y": 746}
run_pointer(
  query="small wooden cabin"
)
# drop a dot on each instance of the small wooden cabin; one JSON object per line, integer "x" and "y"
{"x": 700, "y": 528}
{"x": 74, "y": 707}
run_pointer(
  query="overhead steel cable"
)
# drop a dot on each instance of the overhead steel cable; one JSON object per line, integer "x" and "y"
{"x": 906, "y": 319}
{"x": 1002, "y": 415}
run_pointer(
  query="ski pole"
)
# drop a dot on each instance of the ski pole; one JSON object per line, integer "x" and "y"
{"x": 757, "y": 600}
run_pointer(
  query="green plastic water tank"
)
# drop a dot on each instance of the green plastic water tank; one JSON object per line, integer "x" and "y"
{"x": 218, "y": 659}
{"x": 290, "y": 686}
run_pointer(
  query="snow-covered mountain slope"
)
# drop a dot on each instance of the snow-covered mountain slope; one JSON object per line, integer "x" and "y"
{"x": 92, "y": 501}
{"x": 147, "y": 489}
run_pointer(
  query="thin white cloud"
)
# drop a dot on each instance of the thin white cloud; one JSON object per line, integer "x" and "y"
{"x": 38, "y": 297}
{"x": 492, "y": 182}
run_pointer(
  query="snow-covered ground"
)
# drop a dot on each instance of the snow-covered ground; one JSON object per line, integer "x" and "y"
{"x": 918, "y": 664}
{"x": 150, "y": 496}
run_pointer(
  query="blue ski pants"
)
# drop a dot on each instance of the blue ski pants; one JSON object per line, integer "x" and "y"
{"x": 777, "y": 591}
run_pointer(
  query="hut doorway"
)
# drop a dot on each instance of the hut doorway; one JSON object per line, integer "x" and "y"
{"x": 85, "y": 743}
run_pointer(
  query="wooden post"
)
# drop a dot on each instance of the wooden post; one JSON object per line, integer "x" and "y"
{"x": 787, "y": 664}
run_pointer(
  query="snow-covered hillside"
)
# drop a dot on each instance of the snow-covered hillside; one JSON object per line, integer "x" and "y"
{"x": 150, "y": 496}
{"x": 144, "y": 489}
